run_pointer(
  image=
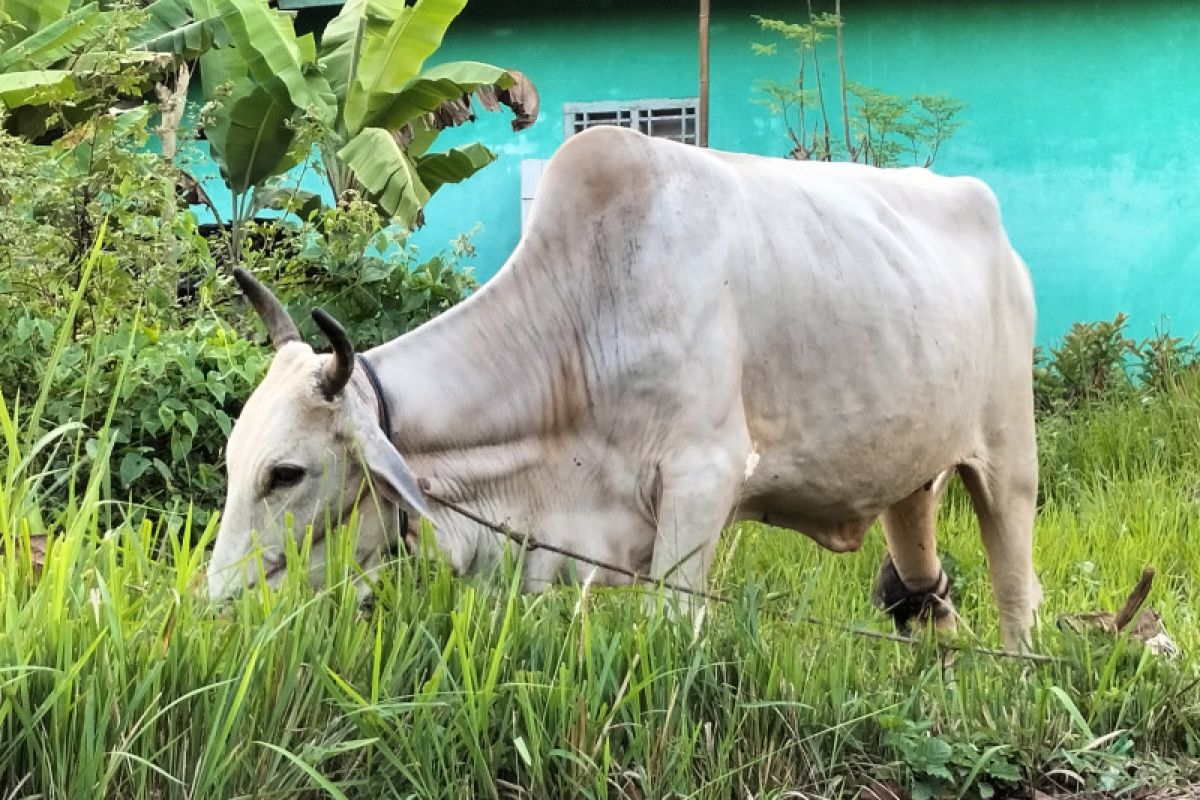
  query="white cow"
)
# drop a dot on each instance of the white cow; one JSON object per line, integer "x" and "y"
{"x": 682, "y": 338}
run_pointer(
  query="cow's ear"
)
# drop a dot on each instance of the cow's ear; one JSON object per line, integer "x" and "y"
{"x": 390, "y": 475}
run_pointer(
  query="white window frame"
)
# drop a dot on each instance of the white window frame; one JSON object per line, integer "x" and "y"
{"x": 636, "y": 114}
{"x": 639, "y": 115}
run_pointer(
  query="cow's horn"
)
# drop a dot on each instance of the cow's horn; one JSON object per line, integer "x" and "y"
{"x": 280, "y": 327}
{"x": 336, "y": 373}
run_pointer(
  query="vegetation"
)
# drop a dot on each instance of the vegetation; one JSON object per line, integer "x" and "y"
{"x": 877, "y": 128}
{"x": 119, "y": 679}
{"x": 63, "y": 61}
{"x": 126, "y": 355}
{"x": 158, "y": 290}
{"x": 363, "y": 98}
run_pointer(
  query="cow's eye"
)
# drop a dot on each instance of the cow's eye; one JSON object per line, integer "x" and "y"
{"x": 284, "y": 475}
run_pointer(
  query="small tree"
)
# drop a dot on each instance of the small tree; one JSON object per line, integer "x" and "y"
{"x": 882, "y": 129}
{"x": 364, "y": 99}
{"x": 62, "y": 62}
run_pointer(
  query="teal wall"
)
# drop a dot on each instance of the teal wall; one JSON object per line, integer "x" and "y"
{"x": 1084, "y": 117}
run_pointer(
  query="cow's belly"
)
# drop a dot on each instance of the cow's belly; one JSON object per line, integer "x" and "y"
{"x": 833, "y": 498}
{"x": 844, "y": 536}
{"x": 843, "y": 434}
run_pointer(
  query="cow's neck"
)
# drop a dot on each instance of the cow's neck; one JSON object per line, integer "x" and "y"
{"x": 480, "y": 375}
{"x": 476, "y": 396}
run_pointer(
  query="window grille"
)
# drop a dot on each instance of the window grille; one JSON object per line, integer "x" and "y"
{"x": 666, "y": 119}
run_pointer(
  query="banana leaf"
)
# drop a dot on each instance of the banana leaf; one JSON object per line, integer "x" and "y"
{"x": 36, "y": 86}
{"x": 180, "y": 28}
{"x": 275, "y": 56}
{"x": 428, "y": 91}
{"x": 390, "y": 58}
{"x": 387, "y": 173}
{"x": 453, "y": 165}
{"x": 24, "y": 18}
{"x": 251, "y": 138}
{"x": 51, "y": 44}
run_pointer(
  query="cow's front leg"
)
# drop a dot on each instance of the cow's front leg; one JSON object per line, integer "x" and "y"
{"x": 695, "y": 504}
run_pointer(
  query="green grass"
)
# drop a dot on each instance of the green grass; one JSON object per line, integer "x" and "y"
{"x": 118, "y": 679}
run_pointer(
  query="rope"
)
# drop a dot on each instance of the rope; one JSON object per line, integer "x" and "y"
{"x": 529, "y": 543}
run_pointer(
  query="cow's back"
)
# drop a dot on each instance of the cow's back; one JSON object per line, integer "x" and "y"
{"x": 863, "y": 319}
{"x": 883, "y": 313}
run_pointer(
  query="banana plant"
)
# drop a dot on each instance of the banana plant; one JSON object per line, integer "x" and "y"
{"x": 73, "y": 58}
{"x": 35, "y": 37}
{"x": 366, "y": 90}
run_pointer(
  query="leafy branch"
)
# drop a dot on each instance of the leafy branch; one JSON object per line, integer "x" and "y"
{"x": 877, "y": 127}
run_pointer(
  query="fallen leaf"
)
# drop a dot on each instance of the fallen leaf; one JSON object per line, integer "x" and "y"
{"x": 882, "y": 790}
{"x": 39, "y": 545}
{"x": 1142, "y": 624}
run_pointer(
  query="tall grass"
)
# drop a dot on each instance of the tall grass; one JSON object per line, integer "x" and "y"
{"x": 118, "y": 679}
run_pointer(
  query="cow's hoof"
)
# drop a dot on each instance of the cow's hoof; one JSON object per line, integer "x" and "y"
{"x": 905, "y": 604}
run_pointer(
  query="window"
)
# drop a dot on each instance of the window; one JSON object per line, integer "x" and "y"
{"x": 666, "y": 119}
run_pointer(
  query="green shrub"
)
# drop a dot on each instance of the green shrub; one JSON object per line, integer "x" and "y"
{"x": 371, "y": 279}
{"x": 181, "y": 388}
{"x": 1097, "y": 362}
{"x": 1164, "y": 361}
{"x": 1089, "y": 365}
{"x": 876, "y": 127}
{"x": 161, "y": 310}
{"x": 54, "y": 198}
{"x": 1100, "y": 393}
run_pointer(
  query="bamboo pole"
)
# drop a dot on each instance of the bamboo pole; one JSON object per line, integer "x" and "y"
{"x": 702, "y": 133}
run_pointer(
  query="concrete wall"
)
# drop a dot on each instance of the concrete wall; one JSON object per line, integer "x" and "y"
{"x": 1084, "y": 117}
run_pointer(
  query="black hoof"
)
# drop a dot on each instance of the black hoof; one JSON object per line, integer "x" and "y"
{"x": 903, "y": 604}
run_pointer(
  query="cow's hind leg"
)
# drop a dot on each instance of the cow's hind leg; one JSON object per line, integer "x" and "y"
{"x": 911, "y": 584}
{"x": 1004, "y": 493}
